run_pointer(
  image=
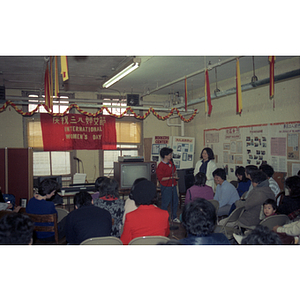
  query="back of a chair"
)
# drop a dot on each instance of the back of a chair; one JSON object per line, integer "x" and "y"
{"x": 61, "y": 213}
{"x": 280, "y": 197}
{"x": 104, "y": 240}
{"x": 235, "y": 215}
{"x": 275, "y": 220}
{"x": 149, "y": 240}
{"x": 49, "y": 218}
{"x": 216, "y": 204}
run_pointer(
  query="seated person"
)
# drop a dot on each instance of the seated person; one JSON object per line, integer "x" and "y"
{"x": 39, "y": 206}
{"x": 258, "y": 195}
{"x": 129, "y": 203}
{"x": 291, "y": 202}
{"x": 199, "y": 189}
{"x": 269, "y": 171}
{"x": 147, "y": 219}
{"x": 97, "y": 185}
{"x": 248, "y": 171}
{"x": 269, "y": 208}
{"x": 261, "y": 235}
{"x": 16, "y": 229}
{"x": 87, "y": 220}
{"x": 243, "y": 182}
{"x": 226, "y": 193}
{"x": 290, "y": 229}
{"x": 199, "y": 219}
{"x": 6, "y": 205}
{"x": 109, "y": 200}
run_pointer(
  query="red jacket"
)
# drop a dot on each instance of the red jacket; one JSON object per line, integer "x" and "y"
{"x": 165, "y": 170}
{"x": 146, "y": 220}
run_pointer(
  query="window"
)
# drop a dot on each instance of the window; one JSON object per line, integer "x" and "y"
{"x": 120, "y": 103}
{"x": 59, "y": 105}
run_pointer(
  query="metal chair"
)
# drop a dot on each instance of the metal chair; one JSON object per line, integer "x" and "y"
{"x": 61, "y": 213}
{"x": 104, "y": 240}
{"x": 229, "y": 230}
{"x": 275, "y": 220}
{"x": 149, "y": 240}
{"x": 216, "y": 204}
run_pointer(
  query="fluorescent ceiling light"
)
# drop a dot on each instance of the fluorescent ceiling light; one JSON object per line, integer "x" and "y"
{"x": 134, "y": 64}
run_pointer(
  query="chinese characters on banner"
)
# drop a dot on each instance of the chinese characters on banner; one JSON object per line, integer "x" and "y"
{"x": 78, "y": 132}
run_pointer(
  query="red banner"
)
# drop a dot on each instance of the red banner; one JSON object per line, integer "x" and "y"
{"x": 78, "y": 132}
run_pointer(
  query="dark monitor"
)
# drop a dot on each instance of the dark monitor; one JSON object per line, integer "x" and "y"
{"x": 186, "y": 179}
{"x": 39, "y": 179}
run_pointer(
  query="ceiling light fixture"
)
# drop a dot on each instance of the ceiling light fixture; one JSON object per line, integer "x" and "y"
{"x": 128, "y": 68}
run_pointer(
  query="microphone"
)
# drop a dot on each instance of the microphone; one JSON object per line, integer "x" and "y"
{"x": 76, "y": 158}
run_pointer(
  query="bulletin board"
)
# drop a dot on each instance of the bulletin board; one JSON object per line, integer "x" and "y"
{"x": 276, "y": 144}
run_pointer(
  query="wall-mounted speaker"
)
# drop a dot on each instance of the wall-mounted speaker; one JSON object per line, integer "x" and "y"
{"x": 133, "y": 99}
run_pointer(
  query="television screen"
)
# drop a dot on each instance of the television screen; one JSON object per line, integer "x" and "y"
{"x": 130, "y": 172}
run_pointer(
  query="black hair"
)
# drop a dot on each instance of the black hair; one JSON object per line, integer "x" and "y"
{"x": 109, "y": 188}
{"x": 293, "y": 183}
{"x": 82, "y": 198}
{"x": 209, "y": 152}
{"x": 200, "y": 179}
{"x": 134, "y": 185}
{"x": 144, "y": 193}
{"x": 261, "y": 235}
{"x": 47, "y": 186}
{"x": 258, "y": 176}
{"x": 267, "y": 169}
{"x": 219, "y": 172}
{"x": 165, "y": 151}
{"x": 250, "y": 168}
{"x": 199, "y": 217}
{"x": 16, "y": 229}
{"x": 98, "y": 181}
{"x": 272, "y": 202}
{"x": 241, "y": 171}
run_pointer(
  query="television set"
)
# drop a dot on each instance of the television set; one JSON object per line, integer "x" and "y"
{"x": 125, "y": 173}
{"x": 38, "y": 180}
{"x": 186, "y": 179}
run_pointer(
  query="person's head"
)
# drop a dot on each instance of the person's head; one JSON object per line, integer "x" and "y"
{"x": 270, "y": 207}
{"x": 82, "y": 198}
{"x": 261, "y": 235}
{"x": 98, "y": 181}
{"x": 267, "y": 169}
{"x": 166, "y": 152}
{"x": 207, "y": 153}
{"x": 199, "y": 217}
{"x": 298, "y": 173}
{"x": 134, "y": 185}
{"x": 293, "y": 185}
{"x": 219, "y": 175}
{"x": 144, "y": 193}
{"x": 48, "y": 187}
{"x": 258, "y": 177}
{"x": 16, "y": 229}
{"x": 109, "y": 188}
{"x": 240, "y": 174}
{"x": 200, "y": 179}
{"x": 249, "y": 169}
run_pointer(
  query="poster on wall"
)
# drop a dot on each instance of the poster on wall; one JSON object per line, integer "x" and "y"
{"x": 183, "y": 152}
{"x": 276, "y": 144}
{"x": 159, "y": 142}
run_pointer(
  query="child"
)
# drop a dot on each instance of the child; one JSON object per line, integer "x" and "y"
{"x": 269, "y": 208}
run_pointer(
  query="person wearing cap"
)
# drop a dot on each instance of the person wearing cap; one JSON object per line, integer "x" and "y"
{"x": 147, "y": 219}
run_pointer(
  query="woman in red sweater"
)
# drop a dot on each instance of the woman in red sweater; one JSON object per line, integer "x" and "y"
{"x": 147, "y": 219}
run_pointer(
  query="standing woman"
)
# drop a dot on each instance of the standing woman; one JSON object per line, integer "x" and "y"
{"x": 206, "y": 165}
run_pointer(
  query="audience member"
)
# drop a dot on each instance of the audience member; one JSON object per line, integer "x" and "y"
{"x": 130, "y": 203}
{"x": 199, "y": 219}
{"x": 167, "y": 177}
{"x": 16, "y": 229}
{"x": 243, "y": 182}
{"x": 86, "y": 220}
{"x": 261, "y": 235}
{"x": 269, "y": 208}
{"x": 291, "y": 202}
{"x": 258, "y": 195}
{"x": 109, "y": 200}
{"x": 97, "y": 185}
{"x": 269, "y": 171}
{"x": 248, "y": 171}
{"x": 226, "y": 193}
{"x": 38, "y": 204}
{"x": 206, "y": 165}
{"x": 290, "y": 229}
{"x": 199, "y": 189}
{"x": 147, "y": 219}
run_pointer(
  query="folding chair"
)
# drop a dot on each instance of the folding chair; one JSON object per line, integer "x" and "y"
{"x": 149, "y": 240}
{"x": 275, "y": 220}
{"x": 104, "y": 240}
